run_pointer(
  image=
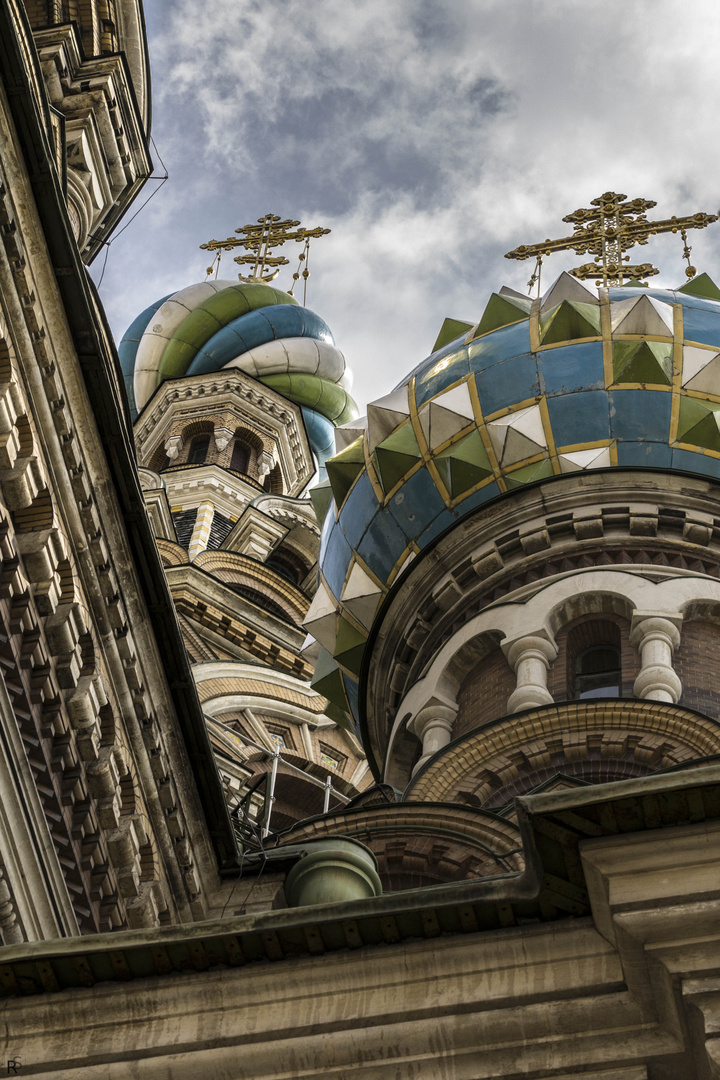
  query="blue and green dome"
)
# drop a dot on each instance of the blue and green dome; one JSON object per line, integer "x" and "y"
{"x": 580, "y": 380}
{"x": 254, "y": 327}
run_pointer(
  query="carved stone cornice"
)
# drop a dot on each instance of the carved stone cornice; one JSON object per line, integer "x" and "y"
{"x": 653, "y": 524}
{"x": 107, "y": 154}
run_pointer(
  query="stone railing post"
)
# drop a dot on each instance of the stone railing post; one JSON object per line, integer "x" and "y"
{"x": 656, "y": 635}
{"x": 530, "y": 658}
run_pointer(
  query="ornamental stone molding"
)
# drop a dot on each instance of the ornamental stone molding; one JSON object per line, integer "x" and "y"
{"x": 242, "y": 402}
{"x": 593, "y": 522}
{"x": 545, "y": 610}
{"x": 80, "y": 658}
{"x": 106, "y": 147}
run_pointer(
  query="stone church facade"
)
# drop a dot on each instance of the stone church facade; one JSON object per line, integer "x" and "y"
{"x": 416, "y": 777}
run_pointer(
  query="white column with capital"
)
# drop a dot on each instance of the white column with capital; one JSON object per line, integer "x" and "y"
{"x": 656, "y": 635}
{"x": 433, "y": 726}
{"x": 530, "y": 658}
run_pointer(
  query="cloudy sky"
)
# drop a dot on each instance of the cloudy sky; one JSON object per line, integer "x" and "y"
{"x": 431, "y": 136}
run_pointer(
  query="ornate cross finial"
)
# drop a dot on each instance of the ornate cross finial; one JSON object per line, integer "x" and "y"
{"x": 614, "y": 226}
{"x": 259, "y": 240}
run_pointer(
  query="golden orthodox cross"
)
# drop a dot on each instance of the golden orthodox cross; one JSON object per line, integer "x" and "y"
{"x": 259, "y": 240}
{"x": 613, "y": 226}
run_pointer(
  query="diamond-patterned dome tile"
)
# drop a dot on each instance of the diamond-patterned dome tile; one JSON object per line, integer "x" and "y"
{"x": 706, "y": 432}
{"x": 396, "y": 455}
{"x": 349, "y": 646}
{"x": 569, "y": 322}
{"x": 385, "y": 414}
{"x": 701, "y": 370}
{"x": 578, "y": 460}
{"x": 446, "y": 415}
{"x": 464, "y": 464}
{"x": 528, "y": 474}
{"x": 344, "y": 468}
{"x": 642, "y": 362}
{"x": 642, "y": 315}
{"x": 321, "y": 618}
{"x": 503, "y": 311}
{"x": 348, "y": 433}
{"x": 518, "y": 435}
{"x": 450, "y": 331}
{"x": 327, "y": 680}
{"x": 702, "y": 285}
{"x": 361, "y": 596}
{"x": 567, "y": 288}
{"x": 321, "y": 497}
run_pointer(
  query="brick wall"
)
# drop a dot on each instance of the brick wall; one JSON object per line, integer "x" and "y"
{"x": 697, "y": 662}
{"x": 484, "y": 694}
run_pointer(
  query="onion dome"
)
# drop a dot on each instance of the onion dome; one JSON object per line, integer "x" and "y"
{"x": 251, "y": 326}
{"x": 577, "y": 380}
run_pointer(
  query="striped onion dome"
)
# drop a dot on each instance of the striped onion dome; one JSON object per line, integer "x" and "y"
{"x": 254, "y": 327}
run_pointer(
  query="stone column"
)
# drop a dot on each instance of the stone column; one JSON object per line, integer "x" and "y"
{"x": 530, "y": 658}
{"x": 433, "y": 726}
{"x": 656, "y": 635}
{"x": 201, "y": 531}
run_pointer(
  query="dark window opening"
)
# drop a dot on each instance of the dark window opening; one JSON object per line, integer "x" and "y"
{"x": 240, "y": 461}
{"x": 199, "y": 450}
{"x": 598, "y": 672}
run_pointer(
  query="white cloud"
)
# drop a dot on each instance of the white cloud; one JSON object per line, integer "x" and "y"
{"x": 430, "y": 136}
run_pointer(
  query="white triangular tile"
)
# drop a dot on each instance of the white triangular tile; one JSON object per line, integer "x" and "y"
{"x": 385, "y": 414}
{"x": 577, "y": 460}
{"x": 529, "y": 423}
{"x": 642, "y": 315}
{"x": 364, "y": 609}
{"x": 321, "y": 620}
{"x": 567, "y": 288}
{"x": 518, "y": 447}
{"x": 701, "y": 369}
{"x": 456, "y": 400}
{"x": 349, "y": 433}
{"x": 507, "y": 291}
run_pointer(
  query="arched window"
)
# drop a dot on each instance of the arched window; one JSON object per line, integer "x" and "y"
{"x": 199, "y": 450}
{"x": 598, "y": 672}
{"x": 240, "y": 460}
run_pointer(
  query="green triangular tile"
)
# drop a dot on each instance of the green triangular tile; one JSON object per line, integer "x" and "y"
{"x": 396, "y": 455}
{"x": 706, "y": 433}
{"x": 502, "y": 311}
{"x": 449, "y": 331}
{"x": 343, "y": 469}
{"x": 692, "y": 412}
{"x": 702, "y": 285}
{"x": 341, "y": 718}
{"x": 321, "y": 497}
{"x": 529, "y": 473}
{"x": 642, "y": 362}
{"x": 464, "y": 464}
{"x": 327, "y": 681}
{"x": 569, "y": 321}
{"x": 350, "y": 646}
{"x": 635, "y": 285}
